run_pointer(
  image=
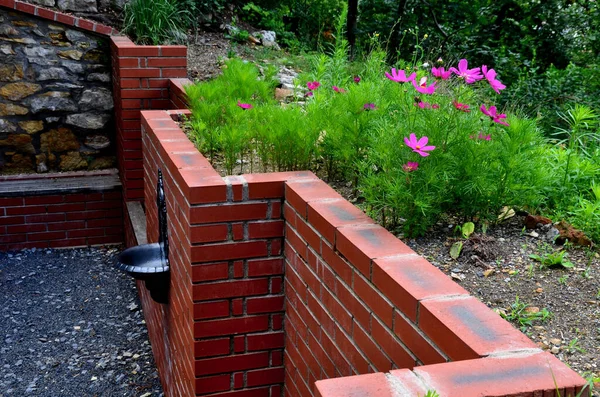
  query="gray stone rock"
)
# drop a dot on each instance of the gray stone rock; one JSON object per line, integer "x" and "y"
{"x": 96, "y": 99}
{"x": 90, "y": 120}
{"x": 6, "y": 49}
{"x": 7, "y": 126}
{"x": 38, "y": 33}
{"x": 97, "y": 142}
{"x": 43, "y": 61}
{"x": 75, "y": 67}
{"x": 52, "y": 74}
{"x": 49, "y": 3}
{"x": 52, "y": 119}
{"x": 77, "y": 5}
{"x": 7, "y": 30}
{"x": 268, "y": 35}
{"x": 67, "y": 86}
{"x": 52, "y": 103}
{"x": 101, "y": 77}
{"x": 37, "y": 51}
{"x": 74, "y": 36}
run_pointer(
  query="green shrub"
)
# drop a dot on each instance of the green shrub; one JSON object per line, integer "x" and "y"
{"x": 157, "y": 21}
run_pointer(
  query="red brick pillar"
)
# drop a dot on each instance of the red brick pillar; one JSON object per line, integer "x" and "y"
{"x": 140, "y": 81}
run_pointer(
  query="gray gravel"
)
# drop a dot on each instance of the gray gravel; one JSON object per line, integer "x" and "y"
{"x": 71, "y": 325}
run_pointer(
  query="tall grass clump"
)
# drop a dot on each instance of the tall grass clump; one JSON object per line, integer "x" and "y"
{"x": 158, "y": 21}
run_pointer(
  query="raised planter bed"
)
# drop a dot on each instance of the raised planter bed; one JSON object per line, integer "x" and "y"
{"x": 278, "y": 282}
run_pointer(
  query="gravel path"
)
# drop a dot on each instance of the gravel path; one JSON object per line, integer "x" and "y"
{"x": 71, "y": 325}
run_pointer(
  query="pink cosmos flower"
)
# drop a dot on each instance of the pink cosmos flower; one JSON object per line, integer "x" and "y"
{"x": 482, "y": 137}
{"x": 426, "y": 105}
{"x": 410, "y": 166}
{"x": 491, "y": 77}
{"x": 309, "y": 94}
{"x": 463, "y": 107}
{"x": 463, "y": 71}
{"x": 313, "y": 85}
{"x": 369, "y": 106}
{"x": 423, "y": 88}
{"x": 338, "y": 89}
{"x": 493, "y": 114}
{"x": 244, "y": 106}
{"x": 357, "y": 79}
{"x": 399, "y": 76}
{"x": 418, "y": 146}
{"x": 441, "y": 73}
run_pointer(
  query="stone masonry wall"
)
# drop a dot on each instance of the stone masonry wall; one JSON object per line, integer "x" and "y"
{"x": 55, "y": 97}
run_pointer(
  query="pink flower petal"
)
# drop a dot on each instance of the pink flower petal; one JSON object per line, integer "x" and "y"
{"x": 423, "y": 141}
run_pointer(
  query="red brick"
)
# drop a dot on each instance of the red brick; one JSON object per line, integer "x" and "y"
{"x": 267, "y": 304}
{"x": 15, "y": 238}
{"x": 229, "y": 364}
{"x": 104, "y": 222}
{"x": 308, "y": 234}
{"x": 72, "y": 242}
{"x": 13, "y": 220}
{"x": 507, "y": 376}
{"x": 377, "y": 302}
{"x": 326, "y": 216}
{"x": 360, "y": 244}
{"x": 318, "y": 351}
{"x": 45, "y": 236}
{"x": 45, "y": 218}
{"x": 324, "y": 318}
{"x": 407, "y": 279}
{"x": 206, "y": 310}
{"x": 265, "y": 229}
{"x": 267, "y": 341}
{"x": 230, "y": 289}
{"x": 342, "y": 268}
{"x": 102, "y": 29}
{"x": 335, "y": 308}
{"x": 210, "y": 272}
{"x": 276, "y": 285}
{"x": 265, "y": 267}
{"x": 342, "y": 366}
{"x": 211, "y": 347}
{"x": 230, "y": 326}
{"x": 359, "y": 311}
{"x": 466, "y": 328}
{"x": 37, "y": 200}
{"x": 28, "y": 8}
{"x": 228, "y": 213}
{"x": 174, "y": 72}
{"x": 66, "y": 19}
{"x": 413, "y": 339}
{"x": 299, "y": 193}
{"x": 46, "y": 14}
{"x": 212, "y": 384}
{"x": 85, "y": 24}
{"x": 411, "y": 385}
{"x": 239, "y": 344}
{"x": 208, "y": 233}
{"x": 137, "y": 51}
{"x": 129, "y": 83}
{"x": 265, "y": 376}
{"x": 173, "y": 51}
{"x": 14, "y": 229}
{"x": 162, "y": 62}
{"x": 13, "y": 202}
{"x": 369, "y": 385}
{"x": 230, "y": 251}
{"x": 26, "y": 210}
{"x": 296, "y": 242}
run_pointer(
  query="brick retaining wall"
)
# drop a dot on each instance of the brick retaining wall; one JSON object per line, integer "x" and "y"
{"x": 57, "y": 212}
{"x": 357, "y": 300}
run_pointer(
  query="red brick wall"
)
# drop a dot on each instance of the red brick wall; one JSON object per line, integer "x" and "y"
{"x": 140, "y": 81}
{"x": 61, "y": 220}
{"x": 356, "y": 299}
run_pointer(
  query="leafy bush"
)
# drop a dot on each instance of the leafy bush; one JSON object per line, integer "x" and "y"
{"x": 157, "y": 21}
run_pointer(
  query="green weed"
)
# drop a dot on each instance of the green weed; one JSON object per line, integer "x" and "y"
{"x": 518, "y": 314}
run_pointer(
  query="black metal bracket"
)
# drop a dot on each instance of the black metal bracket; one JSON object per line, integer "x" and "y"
{"x": 150, "y": 262}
